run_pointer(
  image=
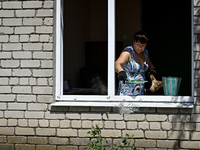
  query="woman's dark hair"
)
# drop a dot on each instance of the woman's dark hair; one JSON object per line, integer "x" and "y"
{"x": 141, "y": 37}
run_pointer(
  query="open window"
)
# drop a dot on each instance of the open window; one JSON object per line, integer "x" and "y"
{"x": 90, "y": 35}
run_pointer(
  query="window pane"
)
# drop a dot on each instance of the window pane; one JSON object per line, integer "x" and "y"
{"x": 85, "y": 47}
{"x": 127, "y": 23}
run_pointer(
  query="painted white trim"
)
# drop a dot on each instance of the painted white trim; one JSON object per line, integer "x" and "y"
{"x": 110, "y": 100}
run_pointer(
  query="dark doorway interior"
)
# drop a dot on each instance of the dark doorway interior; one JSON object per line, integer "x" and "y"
{"x": 168, "y": 25}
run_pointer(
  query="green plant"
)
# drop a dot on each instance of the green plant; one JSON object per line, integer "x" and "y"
{"x": 99, "y": 143}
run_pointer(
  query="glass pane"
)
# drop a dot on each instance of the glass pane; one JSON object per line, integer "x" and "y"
{"x": 85, "y": 47}
{"x": 127, "y": 23}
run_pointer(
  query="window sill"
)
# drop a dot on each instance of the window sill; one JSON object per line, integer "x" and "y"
{"x": 128, "y": 101}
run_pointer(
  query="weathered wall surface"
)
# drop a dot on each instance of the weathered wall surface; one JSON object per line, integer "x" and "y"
{"x": 26, "y": 91}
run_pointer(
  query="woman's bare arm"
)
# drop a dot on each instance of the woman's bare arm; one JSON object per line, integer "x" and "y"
{"x": 123, "y": 58}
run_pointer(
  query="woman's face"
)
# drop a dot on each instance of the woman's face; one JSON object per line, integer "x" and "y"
{"x": 138, "y": 47}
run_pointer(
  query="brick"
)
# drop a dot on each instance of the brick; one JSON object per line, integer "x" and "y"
{"x": 42, "y": 90}
{"x": 10, "y": 63}
{"x": 3, "y": 106}
{"x": 79, "y": 141}
{"x": 7, "y": 98}
{"x": 37, "y": 140}
{"x": 34, "y": 38}
{"x": 21, "y": 89}
{"x": 16, "y": 106}
{"x": 145, "y": 143}
{"x": 3, "y": 38}
{"x": 7, "y": 131}
{"x": 24, "y": 30}
{"x": 5, "y": 72}
{"x": 32, "y": 4}
{"x": 48, "y": 4}
{"x": 45, "y": 98}
{"x": 22, "y": 55}
{"x": 23, "y": 81}
{"x": 136, "y": 117}
{"x": 32, "y": 21}
{"x": 12, "y": 122}
{"x": 66, "y": 132}
{"x": 45, "y": 131}
{"x": 43, "y": 123}
{"x": 190, "y": 144}
{"x": 32, "y": 81}
{"x": 83, "y": 133}
{"x": 3, "y": 122}
{"x": 132, "y": 125}
{"x": 42, "y": 73}
{"x": 134, "y": 133}
{"x": 76, "y": 123}
{"x": 23, "y": 38}
{"x": 48, "y": 47}
{"x": 44, "y": 38}
{"x": 6, "y": 30}
{"x": 110, "y": 133}
{"x": 22, "y": 72}
{"x": 64, "y": 123}
{"x": 195, "y": 136}
{"x": 14, "y": 114}
{"x": 155, "y": 126}
{"x": 67, "y": 148}
{"x": 5, "y": 55}
{"x": 12, "y": 22}
{"x": 156, "y": 134}
{"x": 6, "y": 13}
{"x": 34, "y": 114}
{"x": 197, "y": 126}
{"x": 48, "y": 21}
{"x": 7, "y": 146}
{"x": 166, "y": 125}
{"x": 25, "y": 13}
{"x": 24, "y": 146}
{"x": 179, "y": 118}
{"x": 12, "y": 46}
{"x": 44, "y": 29}
{"x": 90, "y": 116}
{"x": 44, "y": 13}
{"x": 55, "y": 140}
{"x": 32, "y": 46}
{"x": 5, "y": 89}
{"x": 42, "y": 81}
{"x": 35, "y": 106}
{"x": 168, "y": 144}
{"x": 26, "y": 98}
{"x": 177, "y": 126}
{"x": 23, "y": 122}
{"x": 109, "y": 124}
{"x": 14, "y": 38}
{"x": 143, "y": 125}
{"x": 156, "y": 117}
{"x": 11, "y": 5}
{"x": 16, "y": 139}
{"x": 33, "y": 123}
{"x": 43, "y": 55}
{"x": 4, "y": 81}
{"x": 87, "y": 124}
{"x": 54, "y": 123}
{"x": 73, "y": 116}
{"x": 56, "y": 116}
{"x": 45, "y": 147}
{"x": 30, "y": 63}
{"x": 3, "y": 139}
{"x": 184, "y": 135}
{"x": 115, "y": 117}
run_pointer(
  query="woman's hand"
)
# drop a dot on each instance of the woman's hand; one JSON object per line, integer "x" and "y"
{"x": 155, "y": 84}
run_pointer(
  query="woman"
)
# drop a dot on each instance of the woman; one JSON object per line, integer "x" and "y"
{"x": 132, "y": 64}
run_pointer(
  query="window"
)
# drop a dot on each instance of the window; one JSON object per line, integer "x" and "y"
{"x": 88, "y": 25}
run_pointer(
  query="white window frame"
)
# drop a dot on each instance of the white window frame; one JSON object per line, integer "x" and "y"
{"x": 112, "y": 100}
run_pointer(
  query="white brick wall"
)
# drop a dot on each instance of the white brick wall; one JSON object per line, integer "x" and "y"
{"x": 26, "y": 91}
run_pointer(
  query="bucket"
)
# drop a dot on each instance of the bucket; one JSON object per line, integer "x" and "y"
{"x": 171, "y": 86}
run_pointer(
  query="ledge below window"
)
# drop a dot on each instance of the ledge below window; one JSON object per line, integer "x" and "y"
{"x": 139, "y": 101}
